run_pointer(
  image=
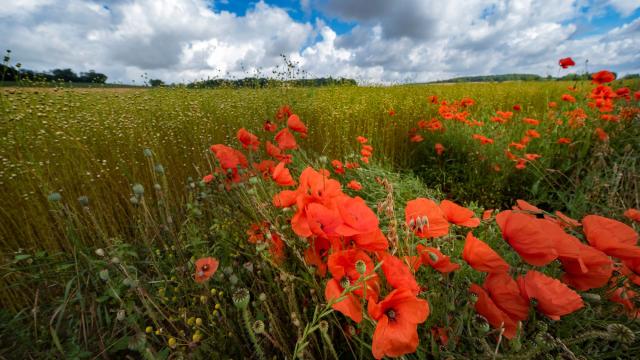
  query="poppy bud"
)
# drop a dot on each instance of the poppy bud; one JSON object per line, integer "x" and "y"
{"x": 104, "y": 274}
{"x": 157, "y": 187}
{"x": 121, "y": 314}
{"x": 100, "y": 252}
{"x": 83, "y": 200}
{"x": 324, "y": 326}
{"x": 621, "y": 333}
{"x": 147, "y": 152}
{"x": 54, "y": 197}
{"x": 322, "y": 159}
{"x": 516, "y": 344}
{"x": 361, "y": 267}
{"x": 434, "y": 257}
{"x": 241, "y": 298}
{"x": 148, "y": 330}
{"x": 134, "y": 200}
{"x": 159, "y": 169}
{"x": 481, "y": 324}
{"x": 253, "y": 180}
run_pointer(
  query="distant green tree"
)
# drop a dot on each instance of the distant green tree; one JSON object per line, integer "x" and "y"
{"x": 156, "y": 82}
{"x": 93, "y": 77}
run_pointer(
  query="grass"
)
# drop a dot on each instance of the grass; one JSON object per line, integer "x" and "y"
{"x": 107, "y": 268}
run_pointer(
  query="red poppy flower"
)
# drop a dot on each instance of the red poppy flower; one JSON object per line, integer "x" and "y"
{"x": 433, "y": 99}
{"x": 532, "y": 133}
{"x": 285, "y": 140}
{"x": 532, "y": 157}
{"x": 564, "y": 140}
{"x": 354, "y": 185}
{"x": 568, "y": 98}
{"x": 416, "y": 138}
{"x": 229, "y": 158}
{"x": 338, "y": 167}
{"x": 554, "y": 298}
{"x": 439, "y": 149}
{"x": 269, "y": 126}
{"x": 425, "y": 218}
{"x": 602, "y": 135}
{"x": 563, "y": 220}
{"x": 458, "y": 215}
{"x": 505, "y": 293}
{"x": 247, "y": 139}
{"x": 265, "y": 167}
{"x": 282, "y": 176}
{"x": 391, "y": 112}
{"x": 374, "y": 241}
{"x": 260, "y": 233}
{"x": 530, "y": 121}
{"x": 592, "y": 269}
{"x": 625, "y": 297}
{"x": 349, "y": 305}
{"x": 317, "y": 253}
{"x": 602, "y": 77}
{"x": 284, "y": 112}
{"x": 497, "y": 318}
{"x": 486, "y": 215}
{"x": 566, "y": 62}
{"x": 482, "y": 257}
{"x": 527, "y": 236}
{"x": 362, "y": 139}
{"x": 207, "y": 178}
{"x": 525, "y": 206}
{"x": 611, "y": 237}
{"x": 517, "y": 107}
{"x": 205, "y": 268}
{"x": 398, "y": 274}
{"x": 397, "y": 316}
{"x": 294, "y": 123}
{"x": 357, "y": 217}
{"x": 552, "y": 104}
{"x": 633, "y": 214}
{"x": 437, "y": 260}
{"x": 441, "y": 334}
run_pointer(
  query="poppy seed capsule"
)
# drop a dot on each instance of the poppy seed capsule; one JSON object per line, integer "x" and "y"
{"x": 323, "y": 326}
{"x": 361, "y": 267}
{"x": 241, "y": 298}
{"x": 54, "y": 197}
{"x": 258, "y": 327}
{"x": 621, "y": 333}
{"x": 138, "y": 189}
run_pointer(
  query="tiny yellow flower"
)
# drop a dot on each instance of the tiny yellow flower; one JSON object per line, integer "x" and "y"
{"x": 148, "y": 330}
{"x": 172, "y": 342}
{"x": 198, "y": 322}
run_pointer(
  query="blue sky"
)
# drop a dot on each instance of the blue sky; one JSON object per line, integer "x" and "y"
{"x": 373, "y": 41}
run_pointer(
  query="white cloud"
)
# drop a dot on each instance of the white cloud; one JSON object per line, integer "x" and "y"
{"x": 411, "y": 40}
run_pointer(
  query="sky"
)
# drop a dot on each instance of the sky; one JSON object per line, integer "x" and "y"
{"x": 372, "y": 41}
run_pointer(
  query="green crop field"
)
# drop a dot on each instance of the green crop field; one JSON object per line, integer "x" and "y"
{"x": 105, "y": 212}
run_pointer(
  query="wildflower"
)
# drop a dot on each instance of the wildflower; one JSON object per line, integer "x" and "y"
{"x": 229, "y": 158}
{"x": 633, "y": 214}
{"x": 391, "y": 112}
{"x": 207, "y": 178}
{"x": 354, "y": 185}
{"x": 554, "y": 299}
{"x": 294, "y": 123}
{"x": 591, "y": 269}
{"x": 284, "y": 112}
{"x": 517, "y": 107}
{"x": 482, "y": 257}
{"x": 530, "y": 121}
{"x": 568, "y": 98}
{"x": 285, "y": 140}
{"x": 282, "y": 176}
{"x": 425, "y": 218}
{"x": 486, "y": 215}
{"x": 458, "y": 215}
{"x": 439, "y": 149}
{"x": 527, "y": 236}
{"x": 504, "y": 291}
{"x": 397, "y": 316}
{"x": 398, "y": 274}
{"x": 564, "y": 140}
{"x": 205, "y": 268}
{"x": 611, "y": 236}
{"x": 532, "y": 157}
{"x": 602, "y": 77}
{"x": 552, "y": 104}
{"x": 338, "y": 167}
{"x": 247, "y": 139}
{"x": 496, "y": 317}
{"x": 532, "y": 133}
{"x": 566, "y": 62}
{"x": 416, "y": 138}
{"x": 437, "y": 260}
{"x": 269, "y": 126}
{"x": 602, "y": 135}
{"x": 362, "y": 139}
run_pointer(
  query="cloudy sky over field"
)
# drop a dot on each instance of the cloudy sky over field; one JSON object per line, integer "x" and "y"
{"x": 369, "y": 40}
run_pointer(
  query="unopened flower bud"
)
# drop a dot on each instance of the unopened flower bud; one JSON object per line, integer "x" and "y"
{"x": 361, "y": 267}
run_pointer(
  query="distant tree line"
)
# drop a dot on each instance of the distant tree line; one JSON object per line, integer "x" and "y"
{"x": 526, "y": 77}
{"x": 11, "y": 73}
{"x": 253, "y": 82}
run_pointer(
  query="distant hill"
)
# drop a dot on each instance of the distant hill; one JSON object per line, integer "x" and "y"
{"x": 491, "y": 78}
{"x": 252, "y": 82}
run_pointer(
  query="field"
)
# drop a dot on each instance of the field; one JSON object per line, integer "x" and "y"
{"x": 108, "y": 207}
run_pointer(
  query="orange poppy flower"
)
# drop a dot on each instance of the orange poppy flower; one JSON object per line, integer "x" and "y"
{"x": 425, "y": 218}
{"x": 247, "y": 139}
{"x": 398, "y": 274}
{"x": 564, "y": 140}
{"x": 611, "y": 237}
{"x": 205, "y": 268}
{"x": 527, "y": 237}
{"x": 482, "y": 257}
{"x": 554, "y": 298}
{"x": 458, "y": 215}
{"x": 552, "y": 104}
{"x": 285, "y": 140}
{"x": 354, "y": 185}
{"x": 633, "y": 214}
{"x": 497, "y": 318}
{"x": 602, "y": 77}
{"x": 505, "y": 293}
{"x": 568, "y": 98}
{"x": 525, "y": 206}
{"x": 437, "y": 260}
{"x": 374, "y": 241}
{"x": 282, "y": 176}
{"x": 397, "y": 316}
{"x": 357, "y": 217}
{"x": 349, "y": 306}
{"x": 439, "y": 149}
{"x": 362, "y": 139}
{"x": 534, "y": 134}
{"x": 530, "y": 121}
{"x": 294, "y": 123}
{"x": 532, "y": 157}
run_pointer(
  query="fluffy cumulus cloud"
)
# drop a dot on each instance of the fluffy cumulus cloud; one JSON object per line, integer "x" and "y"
{"x": 386, "y": 41}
